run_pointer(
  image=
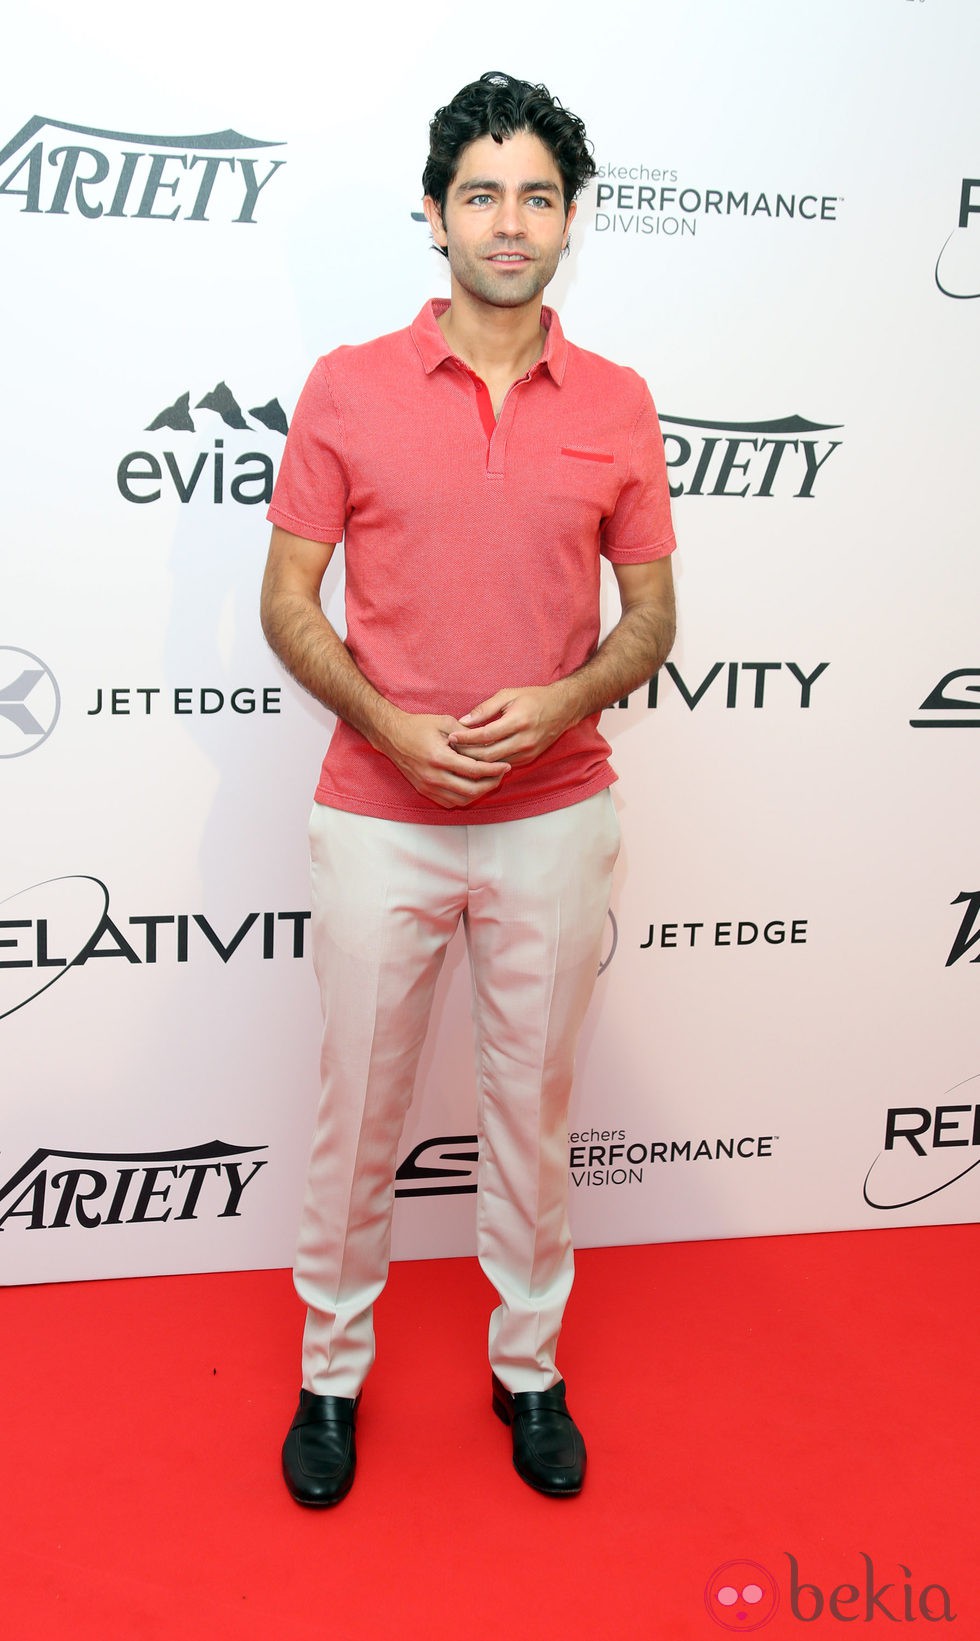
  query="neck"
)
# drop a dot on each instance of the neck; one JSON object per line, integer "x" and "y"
{"x": 493, "y": 341}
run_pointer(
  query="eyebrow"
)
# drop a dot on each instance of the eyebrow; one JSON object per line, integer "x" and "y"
{"x": 495, "y": 184}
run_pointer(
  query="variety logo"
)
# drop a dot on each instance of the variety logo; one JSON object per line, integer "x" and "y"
{"x": 92, "y": 1189}
{"x": 957, "y": 692}
{"x": 744, "y": 1596}
{"x": 63, "y": 923}
{"x": 635, "y": 199}
{"x": 968, "y": 932}
{"x": 739, "y": 459}
{"x": 737, "y": 689}
{"x": 30, "y": 701}
{"x": 598, "y": 1157}
{"x": 142, "y": 477}
{"x": 958, "y": 263}
{"x": 926, "y": 1150}
{"x": 777, "y": 931}
{"x": 120, "y": 174}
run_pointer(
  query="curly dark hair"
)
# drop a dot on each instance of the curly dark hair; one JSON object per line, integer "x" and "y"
{"x": 498, "y": 106}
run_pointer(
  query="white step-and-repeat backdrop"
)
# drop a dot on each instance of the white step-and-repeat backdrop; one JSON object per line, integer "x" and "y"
{"x": 784, "y": 237}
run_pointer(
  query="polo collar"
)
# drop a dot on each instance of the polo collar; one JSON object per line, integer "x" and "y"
{"x": 434, "y": 350}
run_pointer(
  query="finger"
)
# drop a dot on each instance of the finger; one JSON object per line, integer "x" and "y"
{"x": 500, "y": 749}
{"x": 489, "y": 765}
{"x": 482, "y": 743}
{"x": 463, "y": 793}
{"x": 486, "y": 710}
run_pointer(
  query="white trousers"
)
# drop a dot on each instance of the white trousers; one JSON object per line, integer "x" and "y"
{"x": 387, "y": 897}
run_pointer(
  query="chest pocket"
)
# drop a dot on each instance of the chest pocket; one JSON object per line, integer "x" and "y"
{"x": 589, "y": 476}
{"x": 583, "y": 453}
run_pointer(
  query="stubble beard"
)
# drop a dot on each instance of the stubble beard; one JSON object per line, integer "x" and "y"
{"x": 477, "y": 278}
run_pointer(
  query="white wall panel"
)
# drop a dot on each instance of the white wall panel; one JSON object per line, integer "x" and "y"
{"x": 779, "y": 997}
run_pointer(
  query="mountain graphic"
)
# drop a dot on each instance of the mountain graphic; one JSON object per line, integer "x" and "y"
{"x": 177, "y": 416}
{"x": 271, "y": 415}
{"x": 223, "y": 402}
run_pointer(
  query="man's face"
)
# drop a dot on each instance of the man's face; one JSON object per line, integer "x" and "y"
{"x": 505, "y": 225}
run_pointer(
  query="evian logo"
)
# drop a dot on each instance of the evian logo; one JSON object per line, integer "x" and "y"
{"x": 145, "y": 475}
{"x": 59, "y": 169}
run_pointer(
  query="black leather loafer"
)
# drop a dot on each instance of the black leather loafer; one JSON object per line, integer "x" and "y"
{"x": 318, "y": 1455}
{"x": 549, "y": 1452}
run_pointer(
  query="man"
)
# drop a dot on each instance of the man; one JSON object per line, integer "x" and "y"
{"x": 477, "y": 466}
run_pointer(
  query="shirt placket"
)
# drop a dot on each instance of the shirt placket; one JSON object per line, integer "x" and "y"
{"x": 496, "y": 428}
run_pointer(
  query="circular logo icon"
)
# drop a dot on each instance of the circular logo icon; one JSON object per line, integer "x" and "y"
{"x": 57, "y": 918}
{"x": 30, "y": 701}
{"x": 741, "y": 1596}
{"x": 609, "y": 944}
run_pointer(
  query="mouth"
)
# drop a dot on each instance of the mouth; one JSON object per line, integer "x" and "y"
{"x": 508, "y": 259}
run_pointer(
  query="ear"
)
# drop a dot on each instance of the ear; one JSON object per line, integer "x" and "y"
{"x": 434, "y": 218}
{"x": 569, "y": 219}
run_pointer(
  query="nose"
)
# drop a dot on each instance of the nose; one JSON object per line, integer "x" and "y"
{"x": 509, "y": 223}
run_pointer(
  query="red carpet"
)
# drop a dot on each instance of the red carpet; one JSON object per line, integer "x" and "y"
{"x": 804, "y": 1404}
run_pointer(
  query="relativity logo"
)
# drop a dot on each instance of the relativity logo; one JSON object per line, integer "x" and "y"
{"x": 958, "y": 263}
{"x": 739, "y": 684}
{"x": 30, "y": 701}
{"x": 144, "y": 476}
{"x": 201, "y": 178}
{"x": 55, "y": 927}
{"x": 93, "y": 1189}
{"x": 926, "y": 1149}
{"x": 957, "y": 693}
{"x": 747, "y": 459}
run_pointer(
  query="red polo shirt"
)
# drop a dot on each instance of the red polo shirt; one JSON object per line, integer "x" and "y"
{"x": 471, "y": 546}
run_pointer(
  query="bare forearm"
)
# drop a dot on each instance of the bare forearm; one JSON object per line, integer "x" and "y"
{"x": 417, "y": 744}
{"x": 520, "y": 723}
{"x": 310, "y": 649}
{"x": 634, "y": 650}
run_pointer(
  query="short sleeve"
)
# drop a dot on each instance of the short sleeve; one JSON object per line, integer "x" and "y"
{"x": 311, "y": 493}
{"x": 640, "y": 527}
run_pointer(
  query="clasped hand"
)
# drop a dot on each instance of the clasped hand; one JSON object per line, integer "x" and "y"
{"x": 454, "y": 762}
{"x": 516, "y": 725}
